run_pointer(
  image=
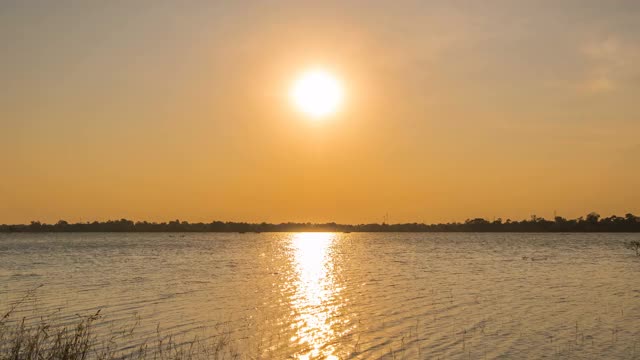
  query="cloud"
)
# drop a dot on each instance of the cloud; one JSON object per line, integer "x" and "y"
{"x": 609, "y": 63}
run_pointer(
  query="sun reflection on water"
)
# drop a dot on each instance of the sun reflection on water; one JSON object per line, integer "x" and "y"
{"x": 316, "y": 300}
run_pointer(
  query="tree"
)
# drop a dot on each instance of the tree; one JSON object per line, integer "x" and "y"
{"x": 593, "y": 218}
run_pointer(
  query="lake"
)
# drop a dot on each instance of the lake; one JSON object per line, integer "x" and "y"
{"x": 342, "y": 295}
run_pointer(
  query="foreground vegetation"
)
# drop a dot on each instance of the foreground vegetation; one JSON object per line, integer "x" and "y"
{"x": 45, "y": 340}
{"x": 593, "y": 222}
{"x": 635, "y": 246}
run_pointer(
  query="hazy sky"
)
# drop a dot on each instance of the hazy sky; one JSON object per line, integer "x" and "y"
{"x": 156, "y": 110}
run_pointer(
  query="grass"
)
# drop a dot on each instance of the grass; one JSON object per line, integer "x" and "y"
{"x": 44, "y": 340}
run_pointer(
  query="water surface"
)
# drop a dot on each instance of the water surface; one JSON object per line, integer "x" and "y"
{"x": 358, "y": 295}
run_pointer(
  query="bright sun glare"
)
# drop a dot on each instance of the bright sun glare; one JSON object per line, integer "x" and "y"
{"x": 317, "y": 93}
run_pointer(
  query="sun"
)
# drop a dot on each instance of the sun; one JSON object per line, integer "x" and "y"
{"x": 317, "y": 93}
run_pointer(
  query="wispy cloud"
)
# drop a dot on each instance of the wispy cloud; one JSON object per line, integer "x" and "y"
{"x": 609, "y": 63}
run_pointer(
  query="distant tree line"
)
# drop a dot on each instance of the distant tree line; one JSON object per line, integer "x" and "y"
{"x": 593, "y": 222}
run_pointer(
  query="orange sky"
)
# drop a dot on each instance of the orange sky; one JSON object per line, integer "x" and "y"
{"x": 156, "y": 111}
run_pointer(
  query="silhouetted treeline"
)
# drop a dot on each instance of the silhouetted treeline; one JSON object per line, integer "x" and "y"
{"x": 590, "y": 223}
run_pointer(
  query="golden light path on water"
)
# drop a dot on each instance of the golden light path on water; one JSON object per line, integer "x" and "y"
{"x": 316, "y": 301}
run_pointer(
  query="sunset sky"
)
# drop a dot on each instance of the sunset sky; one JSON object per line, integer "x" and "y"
{"x": 157, "y": 110}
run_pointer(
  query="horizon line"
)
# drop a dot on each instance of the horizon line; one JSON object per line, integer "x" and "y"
{"x": 494, "y": 219}
{"x": 593, "y": 222}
